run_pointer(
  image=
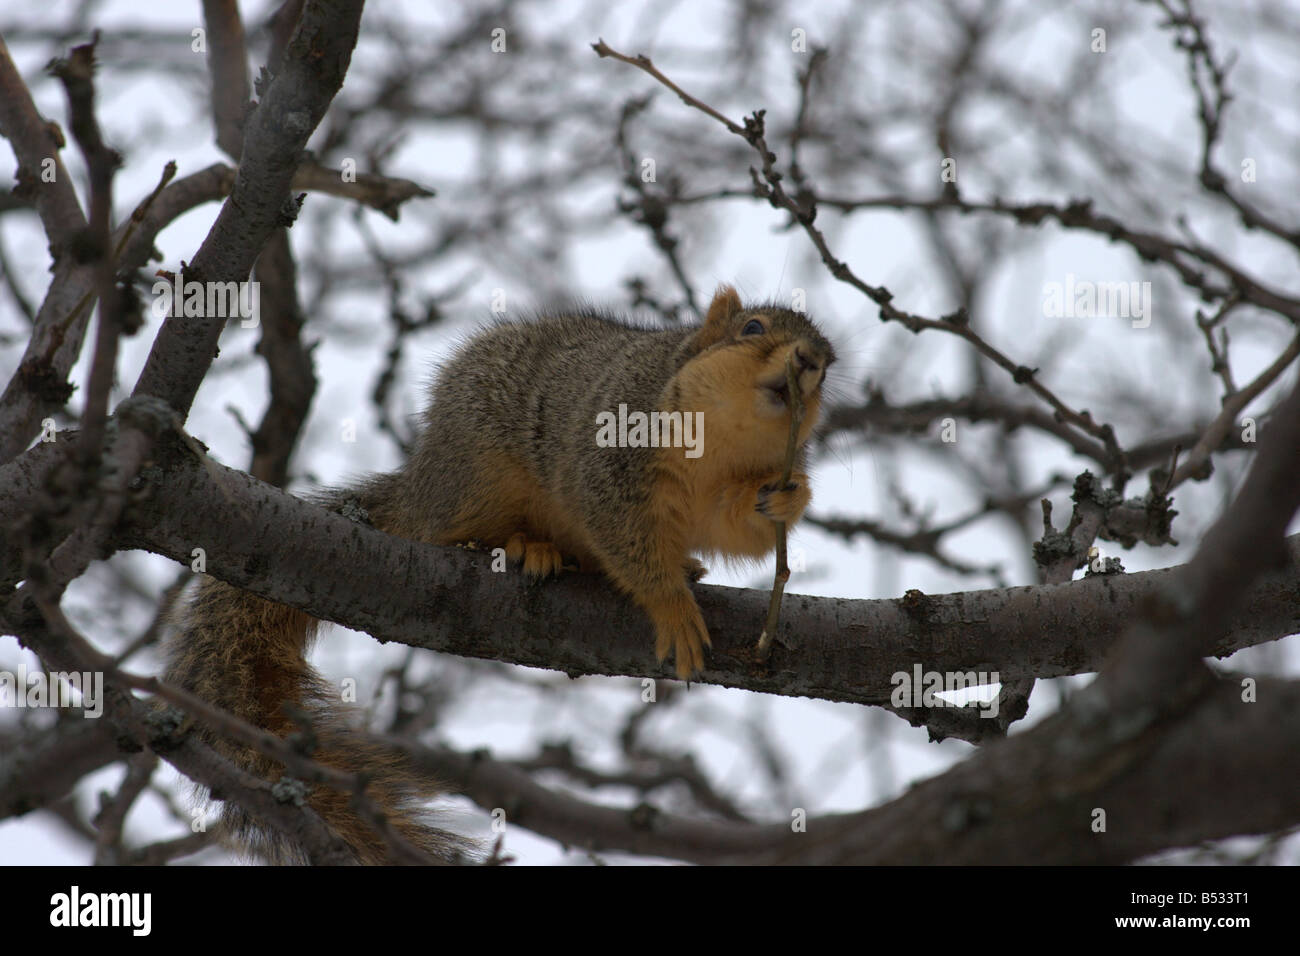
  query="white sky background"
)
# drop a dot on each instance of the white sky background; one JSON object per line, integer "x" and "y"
{"x": 844, "y": 757}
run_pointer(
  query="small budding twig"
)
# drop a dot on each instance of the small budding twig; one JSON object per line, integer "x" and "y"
{"x": 782, "y": 567}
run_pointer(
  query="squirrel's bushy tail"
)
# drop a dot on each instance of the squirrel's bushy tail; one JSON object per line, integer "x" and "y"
{"x": 246, "y": 655}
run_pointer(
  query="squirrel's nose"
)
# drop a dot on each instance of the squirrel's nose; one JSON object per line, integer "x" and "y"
{"x": 805, "y": 360}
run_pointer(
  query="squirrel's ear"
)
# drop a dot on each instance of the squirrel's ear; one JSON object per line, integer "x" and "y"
{"x": 726, "y": 303}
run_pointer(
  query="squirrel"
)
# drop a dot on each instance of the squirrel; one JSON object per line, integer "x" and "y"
{"x": 514, "y": 453}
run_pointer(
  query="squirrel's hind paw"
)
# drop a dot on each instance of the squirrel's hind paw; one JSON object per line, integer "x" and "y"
{"x": 540, "y": 558}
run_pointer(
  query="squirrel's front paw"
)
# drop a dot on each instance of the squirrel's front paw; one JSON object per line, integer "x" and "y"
{"x": 784, "y": 502}
{"x": 540, "y": 558}
{"x": 679, "y": 627}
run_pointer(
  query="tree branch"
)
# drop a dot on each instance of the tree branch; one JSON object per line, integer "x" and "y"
{"x": 295, "y": 552}
{"x": 274, "y": 139}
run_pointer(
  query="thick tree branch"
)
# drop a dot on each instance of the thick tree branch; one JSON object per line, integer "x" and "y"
{"x": 274, "y": 139}
{"x": 292, "y": 551}
{"x": 992, "y": 809}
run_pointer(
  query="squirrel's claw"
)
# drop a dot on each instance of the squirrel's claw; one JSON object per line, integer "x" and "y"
{"x": 784, "y": 503}
{"x": 539, "y": 558}
{"x": 679, "y": 627}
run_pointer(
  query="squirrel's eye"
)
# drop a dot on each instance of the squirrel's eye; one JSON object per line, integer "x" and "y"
{"x": 753, "y": 327}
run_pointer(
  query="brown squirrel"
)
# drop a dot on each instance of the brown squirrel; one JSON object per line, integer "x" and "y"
{"x": 514, "y": 453}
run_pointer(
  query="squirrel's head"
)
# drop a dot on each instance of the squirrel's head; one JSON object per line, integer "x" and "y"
{"x": 752, "y": 347}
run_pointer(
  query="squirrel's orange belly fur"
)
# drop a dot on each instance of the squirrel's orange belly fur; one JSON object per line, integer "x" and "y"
{"x": 508, "y": 457}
